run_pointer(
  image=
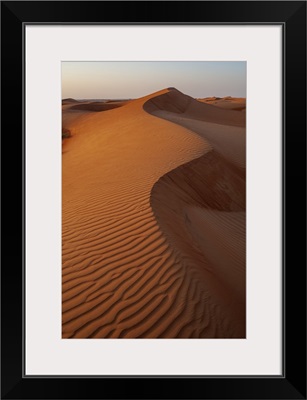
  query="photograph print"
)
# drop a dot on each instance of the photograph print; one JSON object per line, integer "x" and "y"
{"x": 154, "y": 200}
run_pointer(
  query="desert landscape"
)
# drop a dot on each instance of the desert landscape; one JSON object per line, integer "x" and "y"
{"x": 153, "y": 217}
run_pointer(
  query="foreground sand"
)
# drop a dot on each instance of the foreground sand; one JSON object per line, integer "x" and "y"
{"x": 154, "y": 220}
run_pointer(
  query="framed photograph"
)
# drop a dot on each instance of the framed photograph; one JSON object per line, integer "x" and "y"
{"x": 154, "y": 200}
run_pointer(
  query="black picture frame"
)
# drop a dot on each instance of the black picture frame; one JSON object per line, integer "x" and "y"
{"x": 292, "y": 16}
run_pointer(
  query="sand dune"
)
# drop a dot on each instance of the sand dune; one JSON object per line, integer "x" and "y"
{"x": 72, "y": 109}
{"x": 97, "y": 106}
{"x": 176, "y": 102}
{"x": 230, "y": 103}
{"x": 208, "y": 226}
{"x": 70, "y": 115}
{"x": 69, "y": 101}
{"x": 153, "y": 221}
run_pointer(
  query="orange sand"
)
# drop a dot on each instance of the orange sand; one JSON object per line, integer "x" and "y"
{"x": 153, "y": 220}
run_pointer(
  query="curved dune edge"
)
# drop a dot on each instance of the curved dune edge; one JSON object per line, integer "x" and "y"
{"x": 200, "y": 207}
{"x": 223, "y": 129}
{"x": 173, "y": 101}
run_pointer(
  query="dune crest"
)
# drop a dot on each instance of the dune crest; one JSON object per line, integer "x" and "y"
{"x": 173, "y": 101}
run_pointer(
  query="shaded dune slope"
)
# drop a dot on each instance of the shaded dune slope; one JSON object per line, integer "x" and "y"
{"x": 124, "y": 274}
{"x": 200, "y": 207}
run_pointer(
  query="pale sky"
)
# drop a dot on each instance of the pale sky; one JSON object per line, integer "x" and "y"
{"x": 122, "y": 80}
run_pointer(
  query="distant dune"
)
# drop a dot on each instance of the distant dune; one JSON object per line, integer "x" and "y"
{"x": 69, "y": 101}
{"x": 73, "y": 109}
{"x": 229, "y": 103}
{"x": 153, "y": 220}
{"x": 98, "y": 106}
